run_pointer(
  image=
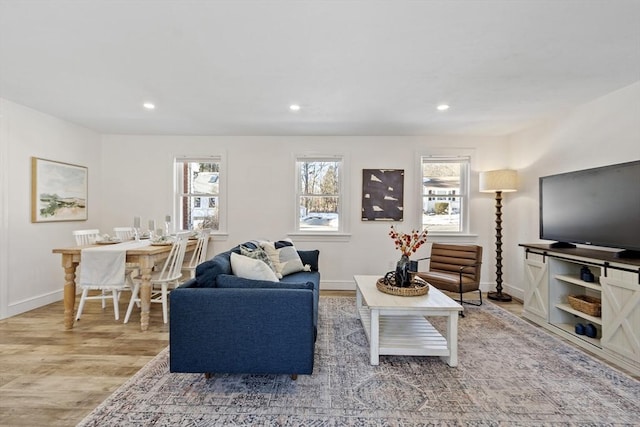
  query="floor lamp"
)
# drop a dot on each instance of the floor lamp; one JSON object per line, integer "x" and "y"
{"x": 498, "y": 181}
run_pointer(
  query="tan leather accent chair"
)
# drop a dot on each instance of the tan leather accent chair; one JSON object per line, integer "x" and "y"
{"x": 455, "y": 268}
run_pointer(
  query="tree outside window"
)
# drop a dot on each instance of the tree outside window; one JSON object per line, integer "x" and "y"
{"x": 318, "y": 194}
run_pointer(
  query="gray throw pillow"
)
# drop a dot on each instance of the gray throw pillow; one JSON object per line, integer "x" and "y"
{"x": 284, "y": 256}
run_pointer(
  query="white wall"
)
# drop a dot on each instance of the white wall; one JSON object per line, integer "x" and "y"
{"x": 132, "y": 175}
{"x": 30, "y": 275}
{"x": 602, "y": 132}
{"x": 138, "y": 180}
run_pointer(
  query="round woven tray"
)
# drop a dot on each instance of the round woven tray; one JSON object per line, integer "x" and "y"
{"x": 418, "y": 287}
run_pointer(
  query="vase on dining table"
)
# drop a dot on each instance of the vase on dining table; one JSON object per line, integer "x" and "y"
{"x": 403, "y": 279}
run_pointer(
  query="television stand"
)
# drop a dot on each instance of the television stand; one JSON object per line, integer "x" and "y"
{"x": 552, "y": 275}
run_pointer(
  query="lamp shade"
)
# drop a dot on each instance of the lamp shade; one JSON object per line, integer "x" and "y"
{"x": 505, "y": 180}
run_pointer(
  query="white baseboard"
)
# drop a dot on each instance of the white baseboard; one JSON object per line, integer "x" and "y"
{"x": 506, "y": 288}
{"x": 337, "y": 285}
{"x": 33, "y": 303}
{"x": 514, "y": 292}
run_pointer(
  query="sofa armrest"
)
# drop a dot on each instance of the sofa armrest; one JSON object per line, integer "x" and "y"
{"x": 191, "y": 283}
{"x": 242, "y": 330}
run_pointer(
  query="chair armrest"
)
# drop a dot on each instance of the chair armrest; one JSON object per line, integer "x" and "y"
{"x": 475, "y": 264}
{"x": 461, "y": 271}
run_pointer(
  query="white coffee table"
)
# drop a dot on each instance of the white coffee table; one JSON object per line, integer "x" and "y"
{"x": 396, "y": 325}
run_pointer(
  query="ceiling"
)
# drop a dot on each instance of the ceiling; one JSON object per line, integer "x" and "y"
{"x": 355, "y": 67}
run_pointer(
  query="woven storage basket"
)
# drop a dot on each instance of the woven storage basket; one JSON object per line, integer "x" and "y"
{"x": 418, "y": 287}
{"x": 586, "y": 304}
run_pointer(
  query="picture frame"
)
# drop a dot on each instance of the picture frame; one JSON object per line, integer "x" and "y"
{"x": 58, "y": 191}
{"x": 382, "y": 194}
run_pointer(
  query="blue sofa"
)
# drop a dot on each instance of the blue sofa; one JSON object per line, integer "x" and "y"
{"x": 221, "y": 323}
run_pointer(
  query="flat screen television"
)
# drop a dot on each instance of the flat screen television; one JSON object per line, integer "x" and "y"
{"x": 599, "y": 206}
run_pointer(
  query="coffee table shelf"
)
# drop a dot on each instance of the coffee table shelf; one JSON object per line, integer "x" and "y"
{"x": 406, "y": 335}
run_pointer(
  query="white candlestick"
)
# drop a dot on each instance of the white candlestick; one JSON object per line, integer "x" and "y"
{"x": 152, "y": 225}
{"x": 136, "y": 222}
{"x": 167, "y": 224}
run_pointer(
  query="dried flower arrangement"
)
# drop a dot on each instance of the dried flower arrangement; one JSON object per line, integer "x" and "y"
{"x": 408, "y": 243}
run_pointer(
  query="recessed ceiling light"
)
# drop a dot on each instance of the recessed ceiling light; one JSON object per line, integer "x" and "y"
{"x": 294, "y": 107}
{"x": 149, "y": 105}
{"x": 442, "y": 107}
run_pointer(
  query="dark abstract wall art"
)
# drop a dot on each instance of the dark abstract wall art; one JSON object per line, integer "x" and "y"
{"x": 382, "y": 194}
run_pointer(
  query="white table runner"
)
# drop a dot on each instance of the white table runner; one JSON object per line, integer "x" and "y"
{"x": 105, "y": 265}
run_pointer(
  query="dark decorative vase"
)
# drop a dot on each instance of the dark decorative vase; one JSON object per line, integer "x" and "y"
{"x": 586, "y": 274}
{"x": 403, "y": 279}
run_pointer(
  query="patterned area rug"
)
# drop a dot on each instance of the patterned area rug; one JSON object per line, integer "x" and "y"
{"x": 510, "y": 374}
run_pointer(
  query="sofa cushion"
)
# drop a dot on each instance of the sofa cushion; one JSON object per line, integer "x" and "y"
{"x": 303, "y": 276}
{"x": 310, "y": 258}
{"x": 207, "y": 271}
{"x": 250, "y": 268}
{"x": 284, "y": 256}
{"x": 260, "y": 254}
{"x": 230, "y": 281}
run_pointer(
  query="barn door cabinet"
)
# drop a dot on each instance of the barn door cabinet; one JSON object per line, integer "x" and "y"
{"x": 552, "y": 274}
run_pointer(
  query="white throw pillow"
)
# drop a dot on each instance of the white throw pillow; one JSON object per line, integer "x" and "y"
{"x": 259, "y": 253}
{"x": 249, "y": 268}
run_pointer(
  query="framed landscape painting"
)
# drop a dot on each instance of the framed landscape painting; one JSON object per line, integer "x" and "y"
{"x": 58, "y": 191}
{"x": 382, "y": 194}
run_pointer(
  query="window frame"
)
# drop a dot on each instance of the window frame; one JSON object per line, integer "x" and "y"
{"x": 341, "y": 195}
{"x": 221, "y": 194}
{"x": 465, "y": 161}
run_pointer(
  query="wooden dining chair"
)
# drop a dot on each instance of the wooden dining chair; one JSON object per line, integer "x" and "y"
{"x": 164, "y": 280}
{"x": 106, "y": 292}
{"x": 131, "y": 268}
{"x": 86, "y": 237}
{"x": 199, "y": 254}
{"x": 124, "y": 233}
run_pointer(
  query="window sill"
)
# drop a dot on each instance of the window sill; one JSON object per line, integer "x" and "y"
{"x": 320, "y": 237}
{"x": 219, "y": 236}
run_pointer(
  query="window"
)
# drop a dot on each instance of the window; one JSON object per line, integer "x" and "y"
{"x": 198, "y": 193}
{"x": 445, "y": 184}
{"x": 319, "y": 194}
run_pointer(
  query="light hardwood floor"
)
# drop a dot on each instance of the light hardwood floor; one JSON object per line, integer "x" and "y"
{"x": 53, "y": 377}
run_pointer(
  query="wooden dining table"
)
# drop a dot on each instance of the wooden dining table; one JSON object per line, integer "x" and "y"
{"x": 146, "y": 257}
